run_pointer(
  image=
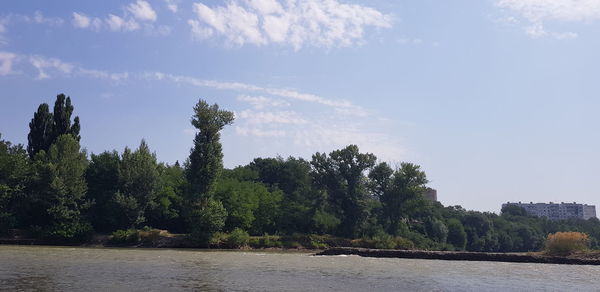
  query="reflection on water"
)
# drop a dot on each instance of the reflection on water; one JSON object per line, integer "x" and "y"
{"x": 84, "y": 269}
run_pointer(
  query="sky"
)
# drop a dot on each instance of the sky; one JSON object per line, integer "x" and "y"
{"x": 497, "y": 100}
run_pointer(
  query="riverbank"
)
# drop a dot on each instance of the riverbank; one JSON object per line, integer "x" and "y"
{"x": 574, "y": 259}
{"x": 315, "y": 243}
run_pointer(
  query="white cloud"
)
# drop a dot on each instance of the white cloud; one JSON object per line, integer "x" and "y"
{"x": 142, "y": 10}
{"x": 6, "y": 62}
{"x": 43, "y": 65}
{"x": 172, "y": 5}
{"x": 39, "y": 18}
{"x": 116, "y": 23}
{"x": 80, "y": 20}
{"x": 137, "y": 15}
{"x": 47, "y": 66}
{"x": 261, "y": 102}
{"x": 271, "y": 117}
{"x": 341, "y": 106}
{"x": 320, "y": 23}
{"x": 539, "y": 12}
{"x": 256, "y": 132}
{"x": 97, "y": 74}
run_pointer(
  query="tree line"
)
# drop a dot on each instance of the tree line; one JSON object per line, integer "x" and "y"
{"x": 53, "y": 189}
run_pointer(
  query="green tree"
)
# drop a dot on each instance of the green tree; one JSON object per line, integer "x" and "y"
{"x": 401, "y": 195}
{"x": 456, "y": 234}
{"x": 40, "y": 135}
{"x": 293, "y": 177}
{"x": 138, "y": 185}
{"x": 203, "y": 168}
{"x": 62, "y": 189}
{"x": 63, "y": 109}
{"x": 341, "y": 175}
{"x": 166, "y": 209}
{"x": 14, "y": 172}
{"x": 206, "y": 157}
{"x": 46, "y": 127}
{"x": 207, "y": 220}
{"x": 102, "y": 177}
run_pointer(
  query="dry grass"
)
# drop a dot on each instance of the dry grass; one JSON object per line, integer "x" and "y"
{"x": 566, "y": 243}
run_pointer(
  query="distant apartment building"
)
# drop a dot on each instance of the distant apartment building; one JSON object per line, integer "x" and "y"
{"x": 430, "y": 194}
{"x": 555, "y": 211}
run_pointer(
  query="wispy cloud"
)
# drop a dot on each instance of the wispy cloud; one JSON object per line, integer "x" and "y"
{"x": 172, "y": 5}
{"x": 136, "y": 15}
{"x": 6, "y": 62}
{"x": 116, "y": 23}
{"x": 44, "y": 65}
{"x": 341, "y": 106}
{"x": 37, "y": 18}
{"x": 538, "y": 13}
{"x": 320, "y": 23}
{"x": 272, "y": 117}
{"x": 260, "y": 102}
{"x": 81, "y": 20}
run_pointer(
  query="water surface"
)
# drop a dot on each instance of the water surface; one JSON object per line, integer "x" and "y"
{"x": 36, "y": 268}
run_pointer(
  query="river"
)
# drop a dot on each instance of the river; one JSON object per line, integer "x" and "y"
{"x": 40, "y": 268}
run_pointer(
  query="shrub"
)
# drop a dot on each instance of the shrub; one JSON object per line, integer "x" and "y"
{"x": 149, "y": 236}
{"x": 218, "y": 239}
{"x": 125, "y": 237}
{"x": 565, "y": 243}
{"x": 291, "y": 244}
{"x": 237, "y": 238}
{"x": 384, "y": 241}
{"x": 403, "y": 243}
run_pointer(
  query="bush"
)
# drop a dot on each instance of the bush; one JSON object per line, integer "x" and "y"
{"x": 149, "y": 236}
{"x": 125, "y": 237}
{"x": 384, "y": 241}
{"x": 237, "y": 238}
{"x": 565, "y": 243}
{"x": 403, "y": 243}
{"x": 218, "y": 239}
{"x": 206, "y": 221}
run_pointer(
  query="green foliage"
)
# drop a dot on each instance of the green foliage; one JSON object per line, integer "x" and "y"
{"x": 401, "y": 193}
{"x": 237, "y": 238}
{"x": 50, "y": 191}
{"x": 14, "y": 176}
{"x": 138, "y": 185}
{"x": 439, "y": 231}
{"x": 45, "y": 127}
{"x": 40, "y": 131}
{"x": 61, "y": 188}
{"x": 206, "y": 158}
{"x": 207, "y": 220}
{"x": 514, "y": 210}
{"x": 341, "y": 175}
{"x": 125, "y": 237}
{"x": 456, "y": 234}
{"x": 102, "y": 177}
{"x": 325, "y": 222}
{"x": 166, "y": 211}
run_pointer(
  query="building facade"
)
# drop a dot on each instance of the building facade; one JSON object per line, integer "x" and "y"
{"x": 555, "y": 211}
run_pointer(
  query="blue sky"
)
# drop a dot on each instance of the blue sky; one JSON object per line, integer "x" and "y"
{"x": 497, "y": 100}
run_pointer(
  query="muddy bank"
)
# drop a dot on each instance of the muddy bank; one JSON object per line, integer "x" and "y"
{"x": 460, "y": 256}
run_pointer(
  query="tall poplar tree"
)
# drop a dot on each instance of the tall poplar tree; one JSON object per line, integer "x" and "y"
{"x": 206, "y": 215}
{"x": 46, "y": 127}
{"x": 206, "y": 157}
{"x": 40, "y": 131}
